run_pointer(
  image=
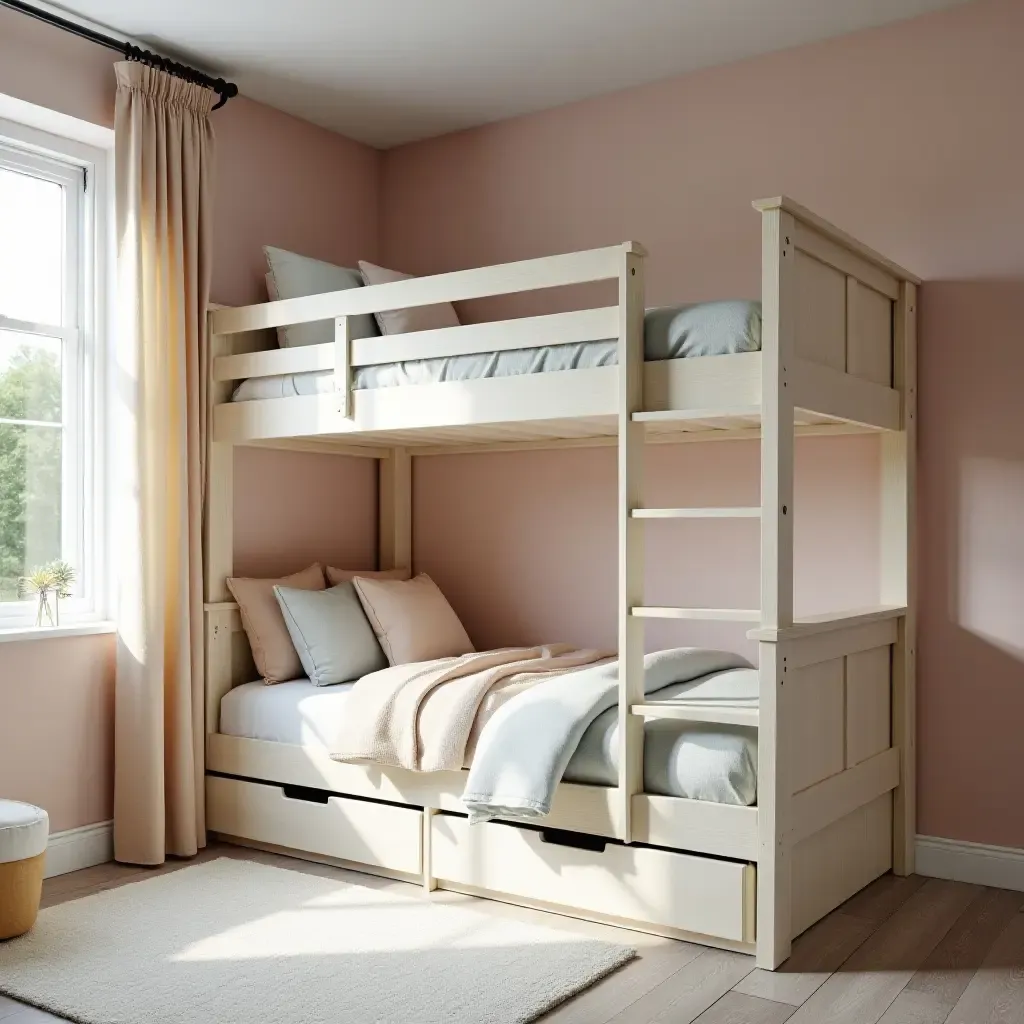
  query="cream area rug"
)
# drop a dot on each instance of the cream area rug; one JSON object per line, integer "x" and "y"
{"x": 234, "y": 942}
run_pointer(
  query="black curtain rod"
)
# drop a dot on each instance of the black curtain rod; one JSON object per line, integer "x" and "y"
{"x": 226, "y": 90}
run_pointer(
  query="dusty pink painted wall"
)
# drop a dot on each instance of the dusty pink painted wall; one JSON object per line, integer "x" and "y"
{"x": 282, "y": 182}
{"x": 909, "y": 137}
{"x": 312, "y": 508}
{"x": 523, "y": 543}
{"x": 57, "y": 726}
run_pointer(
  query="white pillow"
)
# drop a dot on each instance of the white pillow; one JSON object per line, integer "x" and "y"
{"x": 413, "y": 318}
{"x": 292, "y": 276}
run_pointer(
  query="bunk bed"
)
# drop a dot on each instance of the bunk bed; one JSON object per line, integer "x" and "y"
{"x": 835, "y": 693}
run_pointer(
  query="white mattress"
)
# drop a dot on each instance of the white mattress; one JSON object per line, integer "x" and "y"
{"x": 685, "y": 759}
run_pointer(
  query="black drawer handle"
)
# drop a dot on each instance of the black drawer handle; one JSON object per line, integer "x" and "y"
{"x": 574, "y": 840}
{"x": 306, "y": 795}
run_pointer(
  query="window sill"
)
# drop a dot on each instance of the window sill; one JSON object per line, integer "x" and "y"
{"x": 53, "y": 632}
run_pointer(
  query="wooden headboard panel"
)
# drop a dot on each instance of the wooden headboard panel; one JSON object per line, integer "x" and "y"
{"x": 228, "y": 657}
{"x": 843, "y": 321}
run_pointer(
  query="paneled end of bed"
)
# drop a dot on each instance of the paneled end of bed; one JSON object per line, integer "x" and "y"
{"x": 228, "y": 656}
{"x": 834, "y": 782}
{"x": 849, "y": 321}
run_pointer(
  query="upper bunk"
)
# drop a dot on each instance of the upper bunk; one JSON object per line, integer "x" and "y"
{"x": 841, "y": 306}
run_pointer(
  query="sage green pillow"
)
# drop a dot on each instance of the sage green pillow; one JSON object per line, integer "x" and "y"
{"x": 332, "y": 636}
{"x": 293, "y": 276}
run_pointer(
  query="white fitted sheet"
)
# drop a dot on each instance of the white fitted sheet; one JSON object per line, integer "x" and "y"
{"x": 686, "y": 759}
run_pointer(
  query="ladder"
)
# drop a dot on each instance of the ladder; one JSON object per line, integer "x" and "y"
{"x": 774, "y": 514}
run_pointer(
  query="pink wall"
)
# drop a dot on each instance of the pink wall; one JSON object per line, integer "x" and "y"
{"x": 309, "y": 508}
{"x": 909, "y": 137}
{"x": 282, "y": 182}
{"x": 57, "y": 726}
{"x": 523, "y": 543}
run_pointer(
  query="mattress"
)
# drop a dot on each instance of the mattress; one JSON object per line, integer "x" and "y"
{"x": 670, "y": 332}
{"x": 698, "y": 761}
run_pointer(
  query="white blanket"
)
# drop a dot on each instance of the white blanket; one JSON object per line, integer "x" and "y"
{"x": 421, "y": 716}
{"x": 524, "y": 749}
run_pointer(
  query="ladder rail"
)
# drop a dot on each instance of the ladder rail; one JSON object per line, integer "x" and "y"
{"x": 778, "y": 345}
{"x": 630, "y": 535}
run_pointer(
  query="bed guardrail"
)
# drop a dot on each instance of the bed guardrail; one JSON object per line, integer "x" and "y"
{"x": 346, "y": 354}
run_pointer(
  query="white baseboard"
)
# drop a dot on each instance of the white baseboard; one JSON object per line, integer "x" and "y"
{"x": 79, "y": 848}
{"x": 999, "y": 866}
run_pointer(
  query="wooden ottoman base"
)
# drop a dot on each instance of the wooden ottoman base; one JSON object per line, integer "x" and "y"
{"x": 21, "y": 887}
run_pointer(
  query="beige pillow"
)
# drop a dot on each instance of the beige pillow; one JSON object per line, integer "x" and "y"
{"x": 272, "y": 647}
{"x": 336, "y": 576}
{"x": 412, "y": 619}
{"x": 414, "y": 318}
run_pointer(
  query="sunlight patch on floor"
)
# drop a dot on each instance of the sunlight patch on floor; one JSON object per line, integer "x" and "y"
{"x": 339, "y": 924}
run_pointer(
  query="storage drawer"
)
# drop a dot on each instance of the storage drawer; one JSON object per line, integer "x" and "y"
{"x": 356, "y": 830}
{"x": 634, "y": 883}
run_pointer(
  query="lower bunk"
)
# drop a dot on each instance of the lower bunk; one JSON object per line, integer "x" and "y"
{"x": 691, "y": 872}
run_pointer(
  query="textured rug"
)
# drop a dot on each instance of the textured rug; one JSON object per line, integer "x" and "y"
{"x": 233, "y": 941}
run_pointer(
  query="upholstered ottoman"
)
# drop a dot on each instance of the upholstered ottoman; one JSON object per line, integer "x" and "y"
{"x": 24, "y": 830}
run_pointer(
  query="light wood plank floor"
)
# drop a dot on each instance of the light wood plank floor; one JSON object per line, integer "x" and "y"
{"x": 903, "y": 951}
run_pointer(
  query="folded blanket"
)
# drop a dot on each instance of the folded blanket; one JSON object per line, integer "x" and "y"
{"x": 523, "y": 751}
{"x": 421, "y": 716}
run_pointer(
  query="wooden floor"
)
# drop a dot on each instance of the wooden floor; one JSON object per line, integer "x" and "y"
{"x": 903, "y": 951}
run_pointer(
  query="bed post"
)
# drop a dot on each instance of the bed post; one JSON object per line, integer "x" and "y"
{"x": 343, "y": 364}
{"x": 218, "y": 535}
{"x": 394, "y": 506}
{"x": 774, "y": 868}
{"x": 899, "y": 563}
{"x": 631, "y": 546}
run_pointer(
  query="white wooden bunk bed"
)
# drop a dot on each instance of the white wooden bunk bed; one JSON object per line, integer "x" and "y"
{"x": 835, "y": 762}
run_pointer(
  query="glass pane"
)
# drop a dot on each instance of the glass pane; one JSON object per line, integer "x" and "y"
{"x": 30, "y": 499}
{"x": 30, "y": 377}
{"x": 31, "y": 248}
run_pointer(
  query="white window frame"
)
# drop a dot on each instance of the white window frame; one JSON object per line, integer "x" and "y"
{"x": 83, "y": 171}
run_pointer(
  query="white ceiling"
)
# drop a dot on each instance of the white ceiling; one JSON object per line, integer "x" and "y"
{"x": 392, "y": 71}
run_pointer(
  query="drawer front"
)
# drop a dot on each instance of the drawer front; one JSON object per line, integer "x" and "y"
{"x": 356, "y": 830}
{"x": 656, "y": 887}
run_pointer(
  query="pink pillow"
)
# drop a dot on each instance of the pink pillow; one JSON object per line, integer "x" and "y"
{"x": 336, "y": 576}
{"x": 412, "y": 619}
{"x": 272, "y": 647}
{"x": 414, "y": 318}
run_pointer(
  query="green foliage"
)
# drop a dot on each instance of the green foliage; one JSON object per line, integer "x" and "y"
{"x": 55, "y": 578}
{"x": 38, "y": 581}
{"x": 63, "y": 576}
{"x": 30, "y": 465}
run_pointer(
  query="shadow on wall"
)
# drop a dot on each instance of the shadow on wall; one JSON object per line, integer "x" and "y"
{"x": 971, "y": 520}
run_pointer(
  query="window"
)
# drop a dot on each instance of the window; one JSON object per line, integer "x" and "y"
{"x": 51, "y": 372}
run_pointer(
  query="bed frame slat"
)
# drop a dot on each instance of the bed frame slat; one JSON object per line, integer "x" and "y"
{"x": 457, "y": 286}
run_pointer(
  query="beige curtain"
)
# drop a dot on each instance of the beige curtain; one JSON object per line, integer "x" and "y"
{"x": 164, "y": 179}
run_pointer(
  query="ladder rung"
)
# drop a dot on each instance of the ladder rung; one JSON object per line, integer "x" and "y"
{"x": 714, "y": 614}
{"x": 682, "y": 415}
{"x": 751, "y": 512}
{"x": 693, "y": 713}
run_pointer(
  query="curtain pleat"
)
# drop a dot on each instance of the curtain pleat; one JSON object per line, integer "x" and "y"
{"x": 164, "y": 151}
